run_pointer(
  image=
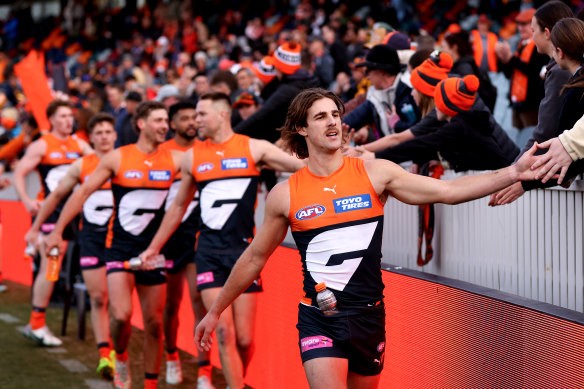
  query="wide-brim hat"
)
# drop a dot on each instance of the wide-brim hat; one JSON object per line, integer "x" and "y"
{"x": 382, "y": 57}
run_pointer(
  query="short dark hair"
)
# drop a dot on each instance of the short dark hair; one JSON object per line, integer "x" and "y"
{"x": 55, "y": 105}
{"x": 550, "y": 13}
{"x": 182, "y": 104}
{"x": 226, "y": 77}
{"x": 29, "y": 119}
{"x": 462, "y": 42}
{"x": 98, "y": 118}
{"x": 144, "y": 109}
{"x": 419, "y": 57}
{"x": 134, "y": 96}
{"x": 297, "y": 116}
{"x": 217, "y": 96}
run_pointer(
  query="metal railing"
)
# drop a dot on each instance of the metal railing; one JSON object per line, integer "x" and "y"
{"x": 532, "y": 247}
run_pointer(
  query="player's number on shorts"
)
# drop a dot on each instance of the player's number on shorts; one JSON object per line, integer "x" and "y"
{"x": 343, "y": 241}
{"x": 98, "y": 207}
{"x": 138, "y": 208}
{"x": 219, "y": 199}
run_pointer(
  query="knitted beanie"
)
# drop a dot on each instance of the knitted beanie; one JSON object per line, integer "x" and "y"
{"x": 455, "y": 95}
{"x": 265, "y": 70}
{"x": 433, "y": 70}
{"x": 287, "y": 57}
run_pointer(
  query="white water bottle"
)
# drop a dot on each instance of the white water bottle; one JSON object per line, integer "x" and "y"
{"x": 136, "y": 263}
{"x": 326, "y": 300}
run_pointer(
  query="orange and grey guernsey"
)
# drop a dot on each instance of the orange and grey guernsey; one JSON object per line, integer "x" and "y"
{"x": 337, "y": 224}
{"x": 190, "y": 218}
{"x": 227, "y": 179}
{"x": 98, "y": 207}
{"x": 139, "y": 188}
{"x": 58, "y": 157}
{"x": 172, "y": 145}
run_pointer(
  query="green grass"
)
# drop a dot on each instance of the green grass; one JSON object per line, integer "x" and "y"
{"x": 23, "y": 364}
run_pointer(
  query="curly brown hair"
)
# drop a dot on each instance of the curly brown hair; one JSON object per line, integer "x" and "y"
{"x": 297, "y": 117}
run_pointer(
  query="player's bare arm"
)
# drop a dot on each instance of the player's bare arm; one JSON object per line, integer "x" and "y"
{"x": 177, "y": 157}
{"x": 107, "y": 168}
{"x": 177, "y": 209}
{"x": 389, "y": 178}
{"x": 273, "y": 157}
{"x": 86, "y": 148}
{"x": 66, "y": 185}
{"x": 27, "y": 164}
{"x": 252, "y": 261}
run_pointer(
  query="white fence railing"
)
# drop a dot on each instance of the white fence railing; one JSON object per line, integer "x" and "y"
{"x": 532, "y": 247}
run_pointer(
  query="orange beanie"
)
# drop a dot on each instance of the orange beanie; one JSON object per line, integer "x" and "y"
{"x": 455, "y": 95}
{"x": 264, "y": 70}
{"x": 287, "y": 57}
{"x": 433, "y": 70}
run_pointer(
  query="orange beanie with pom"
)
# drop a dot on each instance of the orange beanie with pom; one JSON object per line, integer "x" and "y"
{"x": 287, "y": 57}
{"x": 433, "y": 70}
{"x": 455, "y": 95}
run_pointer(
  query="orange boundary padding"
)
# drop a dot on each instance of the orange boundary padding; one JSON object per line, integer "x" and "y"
{"x": 437, "y": 336}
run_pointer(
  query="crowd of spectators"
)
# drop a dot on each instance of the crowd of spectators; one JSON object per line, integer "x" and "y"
{"x": 108, "y": 59}
{"x": 421, "y": 81}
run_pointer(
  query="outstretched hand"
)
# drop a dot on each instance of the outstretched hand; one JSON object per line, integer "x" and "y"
{"x": 507, "y": 195}
{"x": 523, "y": 164}
{"x": 203, "y": 338}
{"x": 556, "y": 159}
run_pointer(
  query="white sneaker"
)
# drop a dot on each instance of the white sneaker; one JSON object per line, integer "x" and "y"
{"x": 3, "y": 288}
{"x": 203, "y": 382}
{"x": 173, "y": 372}
{"x": 43, "y": 336}
{"x": 122, "y": 376}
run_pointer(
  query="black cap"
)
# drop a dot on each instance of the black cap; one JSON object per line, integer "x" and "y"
{"x": 382, "y": 57}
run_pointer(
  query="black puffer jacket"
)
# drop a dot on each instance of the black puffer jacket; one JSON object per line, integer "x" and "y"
{"x": 470, "y": 141}
{"x": 264, "y": 123}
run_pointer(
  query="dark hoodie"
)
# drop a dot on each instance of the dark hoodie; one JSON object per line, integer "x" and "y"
{"x": 264, "y": 123}
{"x": 470, "y": 141}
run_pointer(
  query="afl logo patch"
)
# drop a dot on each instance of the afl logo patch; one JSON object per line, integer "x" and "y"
{"x": 205, "y": 167}
{"x": 133, "y": 174}
{"x": 55, "y": 155}
{"x": 72, "y": 155}
{"x": 310, "y": 212}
